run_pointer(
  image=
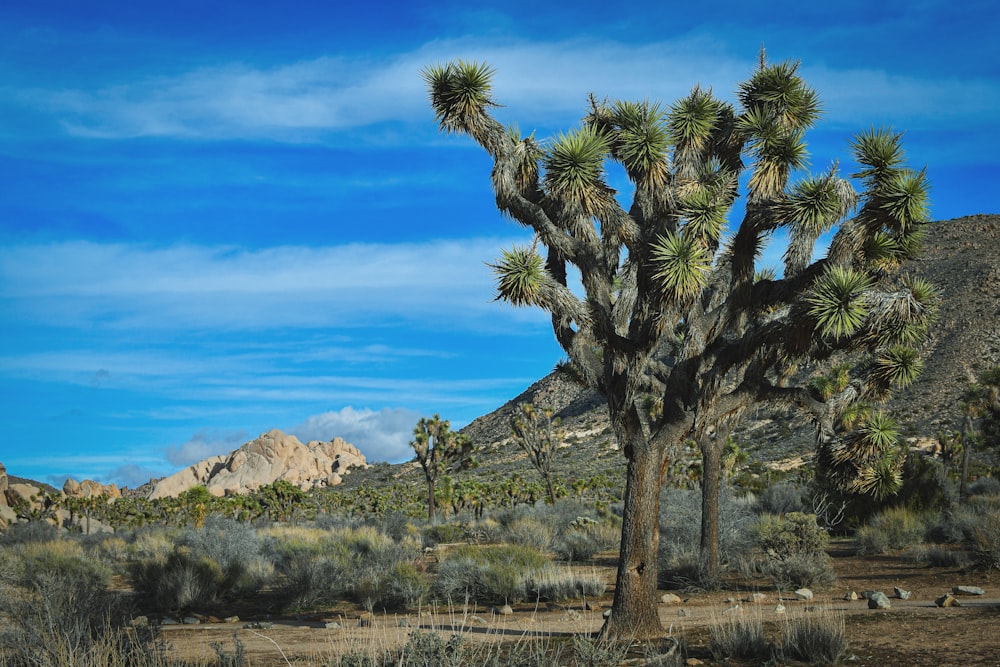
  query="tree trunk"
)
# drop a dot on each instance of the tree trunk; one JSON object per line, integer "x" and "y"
{"x": 967, "y": 436}
{"x": 551, "y": 489}
{"x": 634, "y": 611}
{"x": 711, "y": 464}
{"x": 431, "y": 506}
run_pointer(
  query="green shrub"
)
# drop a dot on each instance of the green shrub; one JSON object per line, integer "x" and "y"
{"x": 814, "y": 639}
{"x": 793, "y": 534}
{"x": 891, "y": 529}
{"x": 983, "y": 540}
{"x": 494, "y": 573}
{"x": 584, "y": 537}
{"x": 444, "y": 533}
{"x": 313, "y": 574}
{"x": 181, "y": 581}
{"x": 56, "y": 603}
{"x": 529, "y": 531}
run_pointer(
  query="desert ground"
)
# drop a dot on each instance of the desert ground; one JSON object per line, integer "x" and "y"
{"x": 912, "y": 632}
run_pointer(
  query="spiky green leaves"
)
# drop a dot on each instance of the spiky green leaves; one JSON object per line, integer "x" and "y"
{"x": 460, "y": 94}
{"x": 905, "y": 198}
{"x": 898, "y": 366}
{"x": 526, "y": 154}
{"x": 704, "y": 213}
{"x": 641, "y": 141}
{"x": 681, "y": 264}
{"x": 838, "y": 301}
{"x": 520, "y": 276}
{"x": 693, "y": 118}
{"x": 778, "y": 89}
{"x": 880, "y": 151}
{"x": 778, "y": 108}
{"x": 574, "y": 168}
{"x": 815, "y": 204}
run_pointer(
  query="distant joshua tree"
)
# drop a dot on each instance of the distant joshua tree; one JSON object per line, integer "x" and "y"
{"x": 671, "y": 321}
{"x": 537, "y": 433}
{"x": 439, "y": 449}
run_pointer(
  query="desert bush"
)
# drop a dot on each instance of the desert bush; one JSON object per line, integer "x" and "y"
{"x": 926, "y": 486}
{"x": 780, "y": 498}
{"x": 598, "y": 652}
{"x": 740, "y": 636}
{"x": 313, "y": 573}
{"x": 559, "y": 583}
{"x": 180, "y": 581}
{"x": 680, "y": 526}
{"x": 809, "y": 570}
{"x": 199, "y": 567}
{"x": 56, "y": 601}
{"x": 29, "y": 531}
{"x": 529, "y": 531}
{"x": 584, "y": 537}
{"x": 983, "y": 540}
{"x": 890, "y": 530}
{"x": 793, "y": 534}
{"x": 814, "y": 638}
{"x": 444, "y": 533}
{"x": 494, "y": 573}
{"x": 985, "y": 486}
{"x": 936, "y": 556}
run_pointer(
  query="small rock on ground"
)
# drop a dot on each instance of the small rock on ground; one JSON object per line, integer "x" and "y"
{"x": 878, "y": 600}
{"x": 968, "y": 590}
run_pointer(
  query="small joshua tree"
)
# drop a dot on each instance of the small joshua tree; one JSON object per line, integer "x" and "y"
{"x": 439, "y": 449}
{"x": 537, "y": 433}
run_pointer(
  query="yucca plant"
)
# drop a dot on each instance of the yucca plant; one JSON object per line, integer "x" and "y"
{"x": 672, "y": 321}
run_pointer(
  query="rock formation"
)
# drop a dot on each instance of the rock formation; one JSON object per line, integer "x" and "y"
{"x": 88, "y": 488}
{"x": 272, "y": 456}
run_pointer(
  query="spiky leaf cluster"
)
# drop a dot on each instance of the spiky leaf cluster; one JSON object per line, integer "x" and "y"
{"x": 520, "y": 276}
{"x": 460, "y": 94}
{"x": 839, "y": 301}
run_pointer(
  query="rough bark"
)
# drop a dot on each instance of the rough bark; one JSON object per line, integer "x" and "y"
{"x": 711, "y": 459}
{"x": 431, "y": 503}
{"x": 634, "y": 611}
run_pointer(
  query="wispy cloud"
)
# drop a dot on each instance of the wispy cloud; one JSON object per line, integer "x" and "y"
{"x": 311, "y": 98}
{"x": 223, "y": 288}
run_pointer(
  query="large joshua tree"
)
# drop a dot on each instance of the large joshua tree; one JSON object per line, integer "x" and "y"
{"x": 675, "y": 328}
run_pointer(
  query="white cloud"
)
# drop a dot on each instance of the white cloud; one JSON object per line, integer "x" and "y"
{"x": 382, "y": 435}
{"x": 205, "y": 444}
{"x": 308, "y": 99}
{"x": 182, "y": 287}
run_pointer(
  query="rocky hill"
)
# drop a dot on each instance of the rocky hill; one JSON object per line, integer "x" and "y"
{"x": 271, "y": 457}
{"x": 961, "y": 257}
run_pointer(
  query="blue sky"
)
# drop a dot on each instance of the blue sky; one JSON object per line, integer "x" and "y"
{"x": 218, "y": 218}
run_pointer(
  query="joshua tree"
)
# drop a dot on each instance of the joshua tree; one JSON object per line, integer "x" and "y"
{"x": 537, "y": 433}
{"x": 980, "y": 401}
{"x": 439, "y": 449}
{"x": 676, "y": 328}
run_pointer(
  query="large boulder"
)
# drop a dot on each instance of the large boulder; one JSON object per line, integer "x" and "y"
{"x": 88, "y": 488}
{"x": 271, "y": 457}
